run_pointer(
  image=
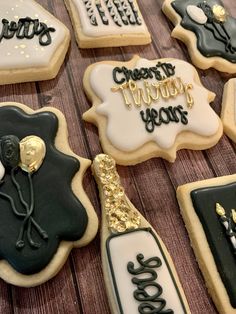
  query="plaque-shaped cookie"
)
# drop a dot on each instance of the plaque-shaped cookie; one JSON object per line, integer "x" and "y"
{"x": 149, "y": 108}
{"x": 208, "y": 31}
{"x": 44, "y": 209}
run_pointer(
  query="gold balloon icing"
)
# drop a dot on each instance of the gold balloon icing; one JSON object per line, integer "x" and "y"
{"x": 219, "y": 13}
{"x": 119, "y": 213}
{"x": 32, "y": 153}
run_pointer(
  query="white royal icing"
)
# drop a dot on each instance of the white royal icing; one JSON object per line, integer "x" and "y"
{"x": 126, "y": 130}
{"x": 27, "y": 53}
{"x": 196, "y": 14}
{"x": 124, "y": 249}
{"x": 87, "y": 9}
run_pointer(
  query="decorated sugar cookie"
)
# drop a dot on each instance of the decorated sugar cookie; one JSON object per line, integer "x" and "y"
{"x": 139, "y": 274}
{"x": 208, "y": 209}
{"x": 44, "y": 209}
{"x": 207, "y": 29}
{"x": 228, "y": 113}
{"x": 33, "y": 43}
{"x": 149, "y": 108}
{"x": 107, "y": 23}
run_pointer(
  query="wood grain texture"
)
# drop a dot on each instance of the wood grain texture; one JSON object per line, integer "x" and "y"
{"x": 79, "y": 287}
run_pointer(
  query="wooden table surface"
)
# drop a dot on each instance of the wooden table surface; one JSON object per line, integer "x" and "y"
{"x": 151, "y": 186}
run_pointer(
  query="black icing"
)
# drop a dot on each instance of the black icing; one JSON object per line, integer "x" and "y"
{"x": 145, "y": 307}
{"x": 204, "y": 202}
{"x": 9, "y": 151}
{"x": 152, "y": 117}
{"x": 56, "y": 207}
{"x": 160, "y": 71}
{"x": 148, "y": 269}
{"x": 213, "y": 38}
{"x": 27, "y": 28}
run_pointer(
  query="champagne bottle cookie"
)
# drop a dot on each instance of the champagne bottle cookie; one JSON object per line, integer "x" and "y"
{"x": 139, "y": 274}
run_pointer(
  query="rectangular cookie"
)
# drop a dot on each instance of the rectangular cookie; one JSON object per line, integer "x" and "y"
{"x": 206, "y": 207}
{"x": 107, "y": 23}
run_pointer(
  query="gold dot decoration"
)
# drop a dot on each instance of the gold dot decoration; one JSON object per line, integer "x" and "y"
{"x": 120, "y": 215}
{"x": 220, "y": 13}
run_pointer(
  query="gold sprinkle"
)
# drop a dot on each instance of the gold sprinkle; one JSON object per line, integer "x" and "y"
{"x": 120, "y": 214}
{"x": 220, "y": 13}
{"x": 22, "y": 46}
{"x": 27, "y": 56}
{"x": 8, "y": 53}
{"x": 22, "y": 52}
{"x": 220, "y": 210}
{"x": 16, "y": 17}
{"x": 36, "y": 15}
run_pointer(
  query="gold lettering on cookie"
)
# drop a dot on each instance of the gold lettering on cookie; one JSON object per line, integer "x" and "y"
{"x": 152, "y": 92}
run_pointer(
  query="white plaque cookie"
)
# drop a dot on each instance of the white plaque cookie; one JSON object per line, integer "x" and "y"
{"x": 150, "y": 108}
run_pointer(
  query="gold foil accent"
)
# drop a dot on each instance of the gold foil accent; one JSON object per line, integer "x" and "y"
{"x": 233, "y": 214}
{"x": 220, "y": 210}
{"x": 32, "y": 153}
{"x": 119, "y": 213}
{"x": 220, "y": 13}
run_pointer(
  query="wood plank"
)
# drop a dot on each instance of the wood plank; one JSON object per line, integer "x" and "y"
{"x": 79, "y": 287}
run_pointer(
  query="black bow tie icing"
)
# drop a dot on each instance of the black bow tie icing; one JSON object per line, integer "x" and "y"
{"x": 27, "y": 155}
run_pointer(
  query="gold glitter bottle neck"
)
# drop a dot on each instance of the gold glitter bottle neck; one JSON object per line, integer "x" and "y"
{"x": 120, "y": 215}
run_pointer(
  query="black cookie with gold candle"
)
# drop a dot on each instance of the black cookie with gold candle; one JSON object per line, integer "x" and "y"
{"x": 207, "y": 29}
{"x": 208, "y": 209}
{"x": 44, "y": 209}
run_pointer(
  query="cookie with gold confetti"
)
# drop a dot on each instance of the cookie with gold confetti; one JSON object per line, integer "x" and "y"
{"x": 208, "y": 31}
{"x": 44, "y": 209}
{"x": 33, "y": 43}
{"x": 139, "y": 273}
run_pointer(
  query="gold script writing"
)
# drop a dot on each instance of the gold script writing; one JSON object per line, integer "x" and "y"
{"x": 152, "y": 92}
